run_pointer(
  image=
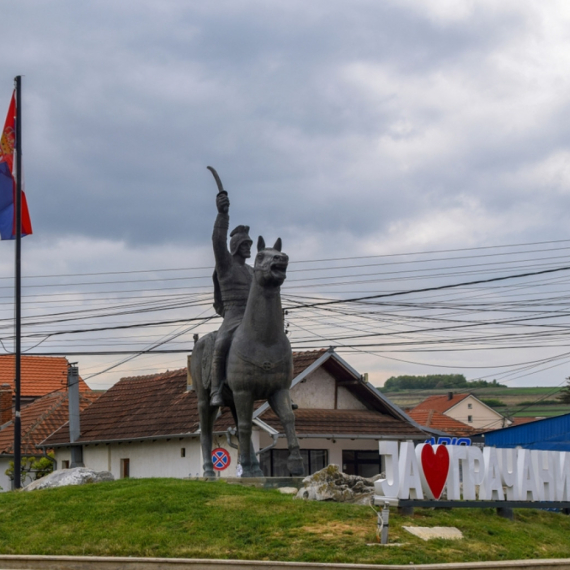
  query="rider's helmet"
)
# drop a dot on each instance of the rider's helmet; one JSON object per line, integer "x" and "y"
{"x": 238, "y": 236}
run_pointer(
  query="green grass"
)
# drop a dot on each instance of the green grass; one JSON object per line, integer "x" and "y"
{"x": 194, "y": 519}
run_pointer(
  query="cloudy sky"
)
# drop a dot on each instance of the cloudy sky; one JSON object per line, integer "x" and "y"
{"x": 349, "y": 129}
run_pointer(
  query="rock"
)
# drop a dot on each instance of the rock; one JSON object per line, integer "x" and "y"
{"x": 429, "y": 533}
{"x": 75, "y": 476}
{"x": 331, "y": 484}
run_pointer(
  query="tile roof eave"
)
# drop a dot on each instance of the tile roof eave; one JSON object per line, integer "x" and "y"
{"x": 265, "y": 427}
{"x": 195, "y": 434}
{"x": 359, "y": 436}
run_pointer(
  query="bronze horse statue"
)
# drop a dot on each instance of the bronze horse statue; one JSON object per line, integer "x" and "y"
{"x": 259, "y": 366}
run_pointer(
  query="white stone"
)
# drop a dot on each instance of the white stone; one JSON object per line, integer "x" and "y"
{"x": 429, "y": 533}
{"x": 288, "y": 490}
{"x": 331, "y": 484}
{"x": 65, "y": 477}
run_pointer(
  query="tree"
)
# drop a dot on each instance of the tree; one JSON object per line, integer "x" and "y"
{"x": 564, "y": 395}
{"x": 32, "y": 468}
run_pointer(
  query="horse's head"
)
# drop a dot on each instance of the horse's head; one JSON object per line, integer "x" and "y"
{"x": 270, "y": 264}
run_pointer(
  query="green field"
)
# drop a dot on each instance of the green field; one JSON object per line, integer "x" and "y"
{"x": 195, "y": 519}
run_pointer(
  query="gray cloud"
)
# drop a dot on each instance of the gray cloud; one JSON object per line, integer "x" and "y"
{"x": 136, "y": 99}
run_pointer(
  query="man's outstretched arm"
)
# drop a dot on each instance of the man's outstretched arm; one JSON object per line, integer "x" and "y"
{"x": 220, "y": 234}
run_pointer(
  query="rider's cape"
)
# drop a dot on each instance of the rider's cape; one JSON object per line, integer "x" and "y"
{"x": 218, "y": 301}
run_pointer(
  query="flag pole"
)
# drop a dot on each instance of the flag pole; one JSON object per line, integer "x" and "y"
{"x": 18, "y": 286}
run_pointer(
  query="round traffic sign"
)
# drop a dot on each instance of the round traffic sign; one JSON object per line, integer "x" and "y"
{"x": 220, "y": 459}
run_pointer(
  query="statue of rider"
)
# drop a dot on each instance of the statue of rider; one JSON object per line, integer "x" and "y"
{"x": 232, "y": 280}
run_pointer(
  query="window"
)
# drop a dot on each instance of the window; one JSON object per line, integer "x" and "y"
{"x": 363, "y": 463}
{"x": 125, "y": 468}
{"x": 469, "y": 419}
{"x": 470, "y": 406}
{"x": 65, "y": 464}
{"x": 274, "y": 461}
{"x": 182, "y": 452}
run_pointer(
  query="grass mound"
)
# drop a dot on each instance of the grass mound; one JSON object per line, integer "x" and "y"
{"x": 194, "y": 519}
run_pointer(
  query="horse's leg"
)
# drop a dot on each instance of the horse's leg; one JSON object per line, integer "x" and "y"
{"x": 207, "y": 418}
{"x": 280, "y": 403}
{"x": 206, "y": 413}
{"x": 244, "y": 409}
{"x": 255, "y": 467}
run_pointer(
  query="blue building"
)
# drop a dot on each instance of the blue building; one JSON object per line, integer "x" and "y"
{"x": 550, "y": 433}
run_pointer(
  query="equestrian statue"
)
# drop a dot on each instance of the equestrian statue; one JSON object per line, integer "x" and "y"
{"x": 249, "y": 358}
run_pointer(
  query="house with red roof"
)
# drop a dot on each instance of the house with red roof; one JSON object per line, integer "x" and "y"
{"x": 38, "y": 420}
{"x": 148, "y": 426}
{"x": 40, "y": 375}
{"x": 436, "y": 420}
{"x": 464, "y": 408}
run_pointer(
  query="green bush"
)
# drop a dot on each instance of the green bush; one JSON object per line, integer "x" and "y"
{"x": 32, "y": 468}
{"x": 494, "y": 403}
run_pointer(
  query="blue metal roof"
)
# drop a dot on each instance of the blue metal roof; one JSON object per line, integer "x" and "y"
{"x": 550, "y": 433}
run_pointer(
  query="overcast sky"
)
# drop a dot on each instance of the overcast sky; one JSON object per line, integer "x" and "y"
{"x": 348, "y": 128}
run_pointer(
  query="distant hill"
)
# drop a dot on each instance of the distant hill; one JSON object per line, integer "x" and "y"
{"x": 434, "y": 382}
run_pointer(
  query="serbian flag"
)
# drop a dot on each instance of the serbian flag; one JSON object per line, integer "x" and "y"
{"x": 8, "y": 181}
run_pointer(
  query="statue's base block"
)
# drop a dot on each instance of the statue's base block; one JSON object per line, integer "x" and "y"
{"x": 265, "y": 482}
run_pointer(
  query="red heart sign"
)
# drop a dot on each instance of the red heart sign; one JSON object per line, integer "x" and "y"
{"x": 435, "y": 466}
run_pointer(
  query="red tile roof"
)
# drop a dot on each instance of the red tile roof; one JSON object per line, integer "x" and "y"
{"x": 40, "y": 419}
{"x": 439, "y": 421}
{"x": 40, "y": 374}
{"x": 302, "y": 360}
{"x": 522, "y": 420}
{"x": 143, "y": 406}
{"x": 441, "y": 403}
{"x": 346, "y": 422}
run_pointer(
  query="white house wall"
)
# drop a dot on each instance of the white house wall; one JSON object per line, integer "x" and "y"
{"x": 162, "y": 458}
{"x": 482, "y": 416}
{"x": 316, "y": 391}
{"x": 346, "y": 401}
{"x": 334, "y": 447}
{"x": 158, "y": 458}
{"x": 5, "y": 482}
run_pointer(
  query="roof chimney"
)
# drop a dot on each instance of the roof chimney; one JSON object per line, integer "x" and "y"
{"x": 450, "y": 395}
{"x": 74, "y": 428}
{"x": 5, "y": 403}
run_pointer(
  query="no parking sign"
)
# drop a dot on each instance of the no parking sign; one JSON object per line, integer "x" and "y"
{"x": 220, "y": 459}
